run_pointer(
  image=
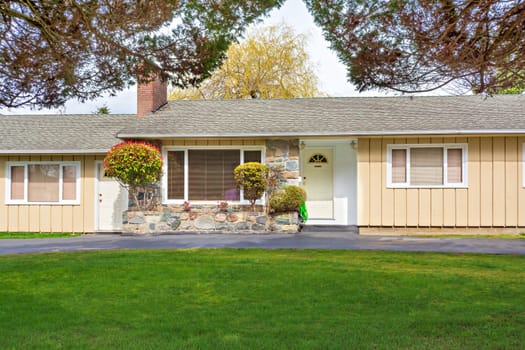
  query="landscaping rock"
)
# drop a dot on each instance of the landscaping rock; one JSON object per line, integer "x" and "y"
{"x": 232, "y": 217}
{"x": 165, "y": 216}
{"x": 175, "y": 224}
{"x": 205, "y": 222}
{"x": 242, "y": 226}
{"x": 282, "y": 221}
{"x": 163, "y": 227}
{"x": 258, "y": 227}
{"x": 152, "y": 219}
{"x": 136, "y": 220}
{"x": 289, "y": 228}
{"x": 261, "y": 220}
{"x": 224, "y": 226}
{"x": 220, "y": 217}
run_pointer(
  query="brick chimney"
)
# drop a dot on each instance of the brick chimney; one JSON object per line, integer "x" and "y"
{"x": 151, "y": 96}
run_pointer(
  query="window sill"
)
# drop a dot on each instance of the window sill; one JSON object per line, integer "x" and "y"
{"x": 427, "y": 186}
{"x": 214, "y": 202}
{"x": 43, "y": 203}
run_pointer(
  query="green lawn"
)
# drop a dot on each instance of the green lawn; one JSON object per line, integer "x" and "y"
{"x": 257, "y": 299}
{"x": 28, "y": 235}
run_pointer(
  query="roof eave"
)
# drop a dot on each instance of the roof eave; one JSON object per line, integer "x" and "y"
{"x": 54, "y": 151}
{"x": 324, "y": 134}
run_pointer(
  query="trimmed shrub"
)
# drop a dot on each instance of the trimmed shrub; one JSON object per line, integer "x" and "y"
{"x": 253, "y": 178}
{"x": 136, "y": 166}
{"x": 289, "y": 198}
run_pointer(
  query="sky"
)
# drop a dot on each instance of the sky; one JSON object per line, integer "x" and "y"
{"x": 331, "y": 73}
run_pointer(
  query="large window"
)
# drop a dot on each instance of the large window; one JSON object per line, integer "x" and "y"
{"x": 205, "y": 174}
{"x": 427, "y": 165}
{"x": 43, "y": 183}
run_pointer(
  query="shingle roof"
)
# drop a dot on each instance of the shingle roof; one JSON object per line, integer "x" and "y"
{"x": 263, "y": 118}
{"x": 60, "y": 133}
{"x": 333, "y": 116}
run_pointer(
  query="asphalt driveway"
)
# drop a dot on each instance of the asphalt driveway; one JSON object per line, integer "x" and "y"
{"x": 306, "y": 240}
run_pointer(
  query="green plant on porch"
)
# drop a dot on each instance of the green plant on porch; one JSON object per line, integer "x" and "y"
{"x": 252, "y": 177}
{"x": 289, "y": 198}
{"x": 137, "y": 166}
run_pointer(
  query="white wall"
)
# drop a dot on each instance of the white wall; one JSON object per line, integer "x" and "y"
{"x": 345, "y": 180}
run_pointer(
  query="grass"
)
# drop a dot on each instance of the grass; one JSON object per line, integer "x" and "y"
{"x": 29, "y": 235}
{"x": 258, "y": 299}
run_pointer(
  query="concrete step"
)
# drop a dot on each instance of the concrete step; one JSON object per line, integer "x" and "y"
{"x": 330, "y": 228}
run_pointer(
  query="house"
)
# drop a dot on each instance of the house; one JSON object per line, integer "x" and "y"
{"x": 51, "y": 177}
{"x": 421, "y": 163}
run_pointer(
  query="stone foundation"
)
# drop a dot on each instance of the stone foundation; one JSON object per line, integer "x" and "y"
{"x": 208, "y": 220}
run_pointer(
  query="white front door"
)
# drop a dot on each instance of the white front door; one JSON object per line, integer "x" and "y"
{"x": 318, "y": 181}
{"x": 111, "y": 201}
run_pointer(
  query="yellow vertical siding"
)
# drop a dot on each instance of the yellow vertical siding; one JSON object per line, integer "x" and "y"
{"x": 494, "y": 197}
{"x": 375, "y": 182}
{"x": 511, "y": 181}
{"x": 387, "y": 194}
{"x": 50, "y": 218}
{"x": 521, "y": 187}
{"x": 474, "y": 182}
{"x": 498, "y": 176}
{"x": 424, "y": 207}
{"x": 486, "y": 182}
{"x": 214, "y": 142}
{"x": 3, "y": 207}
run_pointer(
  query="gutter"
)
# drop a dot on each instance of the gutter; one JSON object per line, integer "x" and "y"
{"x": 302, "y": 134}
{"x": 54, "y": 151}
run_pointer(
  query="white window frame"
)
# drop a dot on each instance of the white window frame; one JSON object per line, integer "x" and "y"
{"x": 25, "y": 201}
{"x": 445, "y": 147}
{"x": 185, "y": 149}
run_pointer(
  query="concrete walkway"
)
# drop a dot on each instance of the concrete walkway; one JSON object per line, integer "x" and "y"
{"x": 307, "y": 240}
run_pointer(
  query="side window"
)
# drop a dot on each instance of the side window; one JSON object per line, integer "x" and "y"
{"x": 43, "y": 183}
{"x": 413, "y": 166}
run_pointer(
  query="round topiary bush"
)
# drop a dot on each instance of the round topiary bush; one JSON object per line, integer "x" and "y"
{"x": 253, "y": 178}
{"x": 137, "y": 166}
{"x": 289, "y": 198}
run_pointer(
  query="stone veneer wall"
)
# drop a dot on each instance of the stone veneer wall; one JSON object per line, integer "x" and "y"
{"x": 285, "y": 154}
{"x": 238, "y": 219}
{"x": 205, "y": 219}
